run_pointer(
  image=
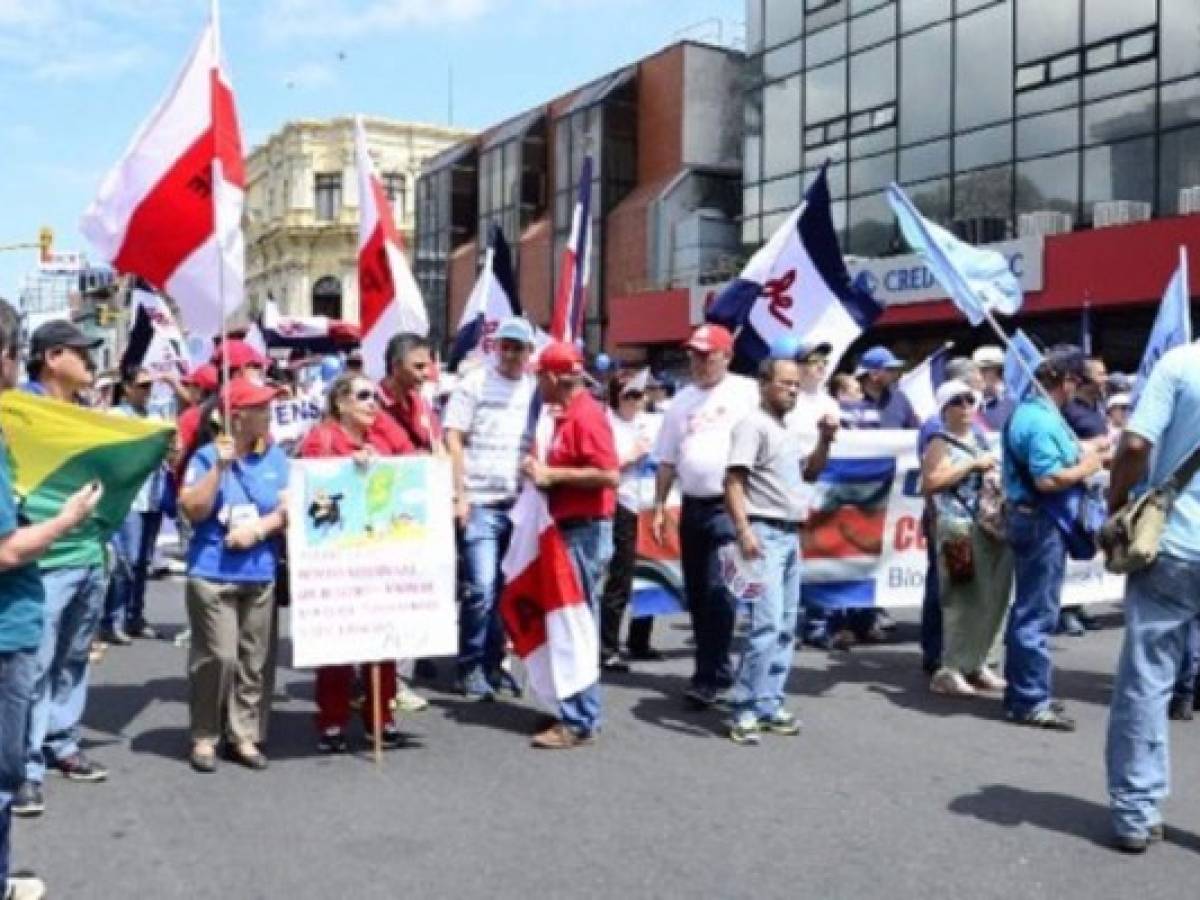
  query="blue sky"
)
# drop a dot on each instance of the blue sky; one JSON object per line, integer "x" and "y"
{"x": 77, "y": 77}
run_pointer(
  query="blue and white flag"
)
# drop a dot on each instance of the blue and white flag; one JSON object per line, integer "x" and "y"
{"x": 1020, "y": 362}
{"x": 492, "y": 300}
{"x": 977, "y": 280}
{"x": 796, "y": 286}
{"x": 921, "y": 384}
{"x": 1172, "y": 325}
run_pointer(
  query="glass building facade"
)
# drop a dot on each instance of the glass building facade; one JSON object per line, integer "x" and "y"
{"x": 983, "y": 109}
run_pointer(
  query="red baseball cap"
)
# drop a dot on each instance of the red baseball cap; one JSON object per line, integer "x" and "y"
{"x": 240, "y": 355}
{"x": 242, "y": 393}
{"x": 710, "y": 338}
{"x": 560, "y": 358}
{"x": 205, "y": 377}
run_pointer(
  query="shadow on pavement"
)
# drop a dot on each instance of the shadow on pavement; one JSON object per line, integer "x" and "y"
{"x": 111, "y": 707}
{"x": 1002, "y": 804}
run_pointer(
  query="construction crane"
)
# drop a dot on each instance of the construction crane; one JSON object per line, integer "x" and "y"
{"x": 45, "y": 243}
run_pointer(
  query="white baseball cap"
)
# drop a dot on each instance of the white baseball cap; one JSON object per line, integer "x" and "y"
{"x": 949, "y": 390}
{"x": 990, "y": 356}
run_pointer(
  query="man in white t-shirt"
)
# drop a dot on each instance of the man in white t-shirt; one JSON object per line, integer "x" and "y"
{"x": 488, "y": 433}
{"x": 693, "y": 446}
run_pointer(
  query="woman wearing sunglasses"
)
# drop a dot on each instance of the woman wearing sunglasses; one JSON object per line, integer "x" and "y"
{"x": 974, "y": 567}
{"x": 354, "y": 426}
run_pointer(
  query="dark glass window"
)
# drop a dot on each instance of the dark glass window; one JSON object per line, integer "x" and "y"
{"x": 781, "y": 133}
{"x": 918, "y": 13}
{"x": 1051, "y": 183}
{"x": 1064, "y": 66}
{"x": 327, "y": 297}
{"x": 396, "y": 188}
{"x": 932, "y": 198}
{"x": 825, "y": 45}
{"x": 753, "y": 123}
{"x": 821, "y": 12}
{"x": 1121, "y": 171}
{"x": 984, "y": 194}
{"x": 924, "y": 87}
{"x": 1122, "y": 117}
{"x": 1178, "y": 166}
{"x": 925, "y": 161}
{"x": 784, "y": 61}
{"x": 872, "y": 173}
{"x": 327, "y": 190}
{"x": 1179, "y": 31}
{"x": 784, "y": 21}
{"x": 1105, "y": 18}
{"x": 873, "y": 77}
{"x": 751, "y": 201}
{"x": 1047, "y": 28}
{"x": 1047, "y": 133}
{"x": 861, "y": 6}
{"x": 754, "y": 25}
{"x": 984, "y": 53}
{"x": 1123, "y": 78}
{"x": 873, "y": 142}
{"x": 872, "y": 28}
{"x": 816, "y": 156}
{"x": 1179, "y": 103}
{"x": 782, "y": 193}
{"x": 752, "y": 231}
{"x": 966, "y": 6}
{"x": 871, "y": 226}
{"x": 825, "y": 92}
{"x": 983, "y": 148}
{"x": 1050, "y": 97}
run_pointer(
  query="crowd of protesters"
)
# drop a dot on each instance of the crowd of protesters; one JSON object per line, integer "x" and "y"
{"x": 741, "y": 455}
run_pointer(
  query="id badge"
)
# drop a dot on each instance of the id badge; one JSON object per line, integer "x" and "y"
{"x": 241, "y": 514}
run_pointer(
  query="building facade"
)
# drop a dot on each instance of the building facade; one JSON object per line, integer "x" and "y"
{"x": 302, "y": 208}
{"x": 1073, "y": 123}
{"x": 664, "y": 135}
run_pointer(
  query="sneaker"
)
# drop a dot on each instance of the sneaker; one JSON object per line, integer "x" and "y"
{"x": 503, "y": 681}
{"x": 782, "y": 722}
{"x": 183, "y": 639}
{"x": 987, "y": 680}
{"x": 1180, "y": 709}
{"x": 475, "y": 687}
{"x": 614, "y": 663}
{"x": 1087, "y": 620}
{"x": 1140, "y": 843}
{"x": 950, "y": 683}
{"x": 1048, "y": 718}
{"x": 116, "y": 636}
{"x": 407, "y": 700}
{"x": 745, "y": 733}
{"x": 79, "y": 768}
{"x": 559, "y": 737}
{"x": 24, "y": 886}
{"x": 332, "y": 740}
{"x": 28, "y": 801}
{"x": 884, "y": 620}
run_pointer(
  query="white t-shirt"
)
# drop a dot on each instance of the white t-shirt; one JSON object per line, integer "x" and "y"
{"x": 645, "y": 427}
{"x": 492, "y": 412}
{"x": 696, "y": 432}
{"x": 809, "y": 410}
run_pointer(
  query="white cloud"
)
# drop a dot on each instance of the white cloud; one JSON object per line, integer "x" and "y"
{"x": 309, "y": 75}
{"x": 89, "y": 66}
{"x": 347, "y": 18}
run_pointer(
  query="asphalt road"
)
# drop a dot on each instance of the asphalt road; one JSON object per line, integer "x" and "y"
{"x": 889, "y": 792}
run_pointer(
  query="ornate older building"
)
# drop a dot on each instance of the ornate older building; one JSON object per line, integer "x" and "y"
{"x": 302, "y": 208}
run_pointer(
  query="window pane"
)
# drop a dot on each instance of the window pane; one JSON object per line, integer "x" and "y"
{"x": 873, "y": 28}
{"x": 1047, "y": 133}
{"x": 926, "y": 161}
{"x": 1179, "y": 166}
{"x": 984, "y": 54}
{"x": 1044, "y": 29}
{"x": 871, "y": 226}
{"x": 784, "y": 61}
{"x": 982, "y": 148}
{"x": 781, "y": 140}
{"x": 826, "y": 45}
{"x": 828, "y": 153}
{"x": 751, "y": 232}
{"x": 872, "y": 173}
{"x": 1063, "y": 67}
{"x": 924, "y": 87}
{"x": 1120, "y": 79}
{"x": 859, "y": 6}
{"x": 784, "y": 21}
{"x": 932, "y": 198}
{"x": 873, "y": 143}
{"x": 1049, "y": 184}
{"x": 1179, "y": 32}
{"x": 984, "y": 194}
{"x": 1030, "y": 76}
{"x": 1104, "y": 18}
{"x": 754, "y": 25}
{"x": 750, "y": 201}
{"x": 783, "y": 193}
{"x": 1049, "y": 97}
{"x": 873, "y": 77}
{"x": 825, "y": 92}
{"x": 1179, "y": 104}
{"x": 827, "y": 12}
{"x": 915, "y": 13}
{"x": 1123, "y": 171}
{"x": 1112, "y": 120}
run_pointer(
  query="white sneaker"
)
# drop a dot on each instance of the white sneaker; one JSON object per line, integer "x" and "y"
{"x": 987, "y": 680}
{"x": 23, "y": 886}
{"x": 951, "y": 683}
{"x": 407, "y": 700}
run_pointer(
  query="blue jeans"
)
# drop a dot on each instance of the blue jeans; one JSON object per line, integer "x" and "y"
{"x": 767, "y": 657}
{"x": 931, "y": 602}
{"x": 125, "y": 606}
{"x": 1189, "y": 665}
{"x": 704, "y": 526}
{"x": 590, "y": 544}
{"x": 1160, "y": 604}
{"x": 1039, "y": 567}
{"x": 74, "y": 604}
{"x": 480, "y": 630}
{"x": 17, "y": 673}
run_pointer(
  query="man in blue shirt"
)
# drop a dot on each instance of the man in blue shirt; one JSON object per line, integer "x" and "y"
{"x": 1042, "y": 460}
{"x": 1160, "y": 601}
{"x": 21, "y": 604}
{"x": 878, "y": 371}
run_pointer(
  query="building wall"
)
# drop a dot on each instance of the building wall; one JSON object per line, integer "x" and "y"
{"x": 534, "y": 279}
{"x": 464, "y": 266}
{"x": 713, "y": 103}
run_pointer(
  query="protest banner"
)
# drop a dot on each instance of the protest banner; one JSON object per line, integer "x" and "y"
{"x": 292, "y": 417}
{"x": 863, "y": 543}
{"x": 371, "y": 558}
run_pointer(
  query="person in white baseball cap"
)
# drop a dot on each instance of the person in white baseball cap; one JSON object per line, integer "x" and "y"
{"x": 995, "y": 405}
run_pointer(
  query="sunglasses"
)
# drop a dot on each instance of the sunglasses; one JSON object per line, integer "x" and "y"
{"x": 632, "y": 395}
{"x": 967, "y": 400}
{"x": 363, "y": 396}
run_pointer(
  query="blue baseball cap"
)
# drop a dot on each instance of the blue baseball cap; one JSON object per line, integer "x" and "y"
{"x": 878, "y": 359}
{"x": 515, "y": 329}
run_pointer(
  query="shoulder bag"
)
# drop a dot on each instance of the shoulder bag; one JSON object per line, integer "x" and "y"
{"x": 1132, "y": 536}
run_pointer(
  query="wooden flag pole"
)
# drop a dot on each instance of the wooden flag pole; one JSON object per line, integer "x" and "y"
{"x": 377, "y": 713}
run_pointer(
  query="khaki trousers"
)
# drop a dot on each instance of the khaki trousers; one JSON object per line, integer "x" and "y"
{"x": 973, "y": 613}
{"x": 231, "y": 634}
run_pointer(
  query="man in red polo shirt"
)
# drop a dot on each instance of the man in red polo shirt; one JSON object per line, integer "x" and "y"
{"x": 580, "y": 478}
{"x": 409, "y": 364}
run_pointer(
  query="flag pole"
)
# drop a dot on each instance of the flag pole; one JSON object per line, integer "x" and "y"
{"x": 377, "y": 714}
{"x": 216, "y": 181}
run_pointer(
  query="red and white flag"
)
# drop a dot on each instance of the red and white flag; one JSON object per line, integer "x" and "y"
{"x": 171, "y": 209}
{"x": 571, "y": 296}
{"x": 389, "y": 298}
{"x": 543, "y": 606}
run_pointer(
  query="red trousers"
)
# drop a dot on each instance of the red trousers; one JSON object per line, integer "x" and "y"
{"x": 335, "y": 690}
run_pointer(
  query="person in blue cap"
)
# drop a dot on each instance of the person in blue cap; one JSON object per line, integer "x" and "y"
{"x": 878, "y": 371}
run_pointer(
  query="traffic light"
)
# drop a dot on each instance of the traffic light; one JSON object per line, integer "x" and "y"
{"x": 46, "y": 242}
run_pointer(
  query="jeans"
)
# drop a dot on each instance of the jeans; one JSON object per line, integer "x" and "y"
{"x": 74, "y": 603}
{"x": 18, "y": 670}
{"x": 931, "y": 602}
{"x": 125, "y": 607}
{"x": 1039, "y": 566}
{"x": 1160, "y": 604}
{"x": 767, "y": 657}
{"x": 589, "y": 542}
{"x": 480, "y": 631}
{"x": 1189, "y": 665}
{"x": 705, "y": 526}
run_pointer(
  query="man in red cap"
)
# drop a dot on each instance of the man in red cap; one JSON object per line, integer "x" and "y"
{"x": 693, "y": 447}
{"x": 580, "y": 477}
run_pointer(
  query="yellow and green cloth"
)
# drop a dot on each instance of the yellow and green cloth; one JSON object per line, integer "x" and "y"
{"x": 56, "y": 448}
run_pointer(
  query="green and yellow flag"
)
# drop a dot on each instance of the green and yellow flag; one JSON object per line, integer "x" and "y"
{"x": 56, "y": 448}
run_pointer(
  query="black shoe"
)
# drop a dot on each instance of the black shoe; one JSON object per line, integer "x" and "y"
{"x": 929, "y": 666}
{"x": 79, "y": 768}
{"x": 645, "y": 654}
{"x": 332, "y": 740}
{"x": 142, "y": 631}
{"x": 116, "y": 636}
{"x": 1068, "y": 623}
{"x": 1180, "y": 709}
{"x": 28, "y": 801}
{"x": 614, "y": 663}
{"x": 391, "y": 738}
{"x": 1045, "y": 718}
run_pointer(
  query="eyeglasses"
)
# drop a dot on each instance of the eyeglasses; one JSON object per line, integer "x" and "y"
{"x": 632, "y": 395}
{"x": 967, "y": 400}
{"x": 366, "y": 395}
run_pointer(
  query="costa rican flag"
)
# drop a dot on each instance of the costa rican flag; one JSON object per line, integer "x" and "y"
{"x": 318, "y": 334}
{"x": 389, "y": 299}
{"x": 492, "y": 300}
{"x": 171, "y": 209}
{"x": 921, "y": 384}
{"x": 543, "y": 607}
{"x": 796, "y": 286}
{"x": 570, "y": 299}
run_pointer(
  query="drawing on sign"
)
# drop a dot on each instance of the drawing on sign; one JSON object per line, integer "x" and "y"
{"x": 357, "y": 508}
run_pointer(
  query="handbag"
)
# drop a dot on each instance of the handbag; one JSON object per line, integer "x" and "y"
{"x": 1132, "y": 536}
{"x": 959, "y": 556}
{"x": 990, "y": 511}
